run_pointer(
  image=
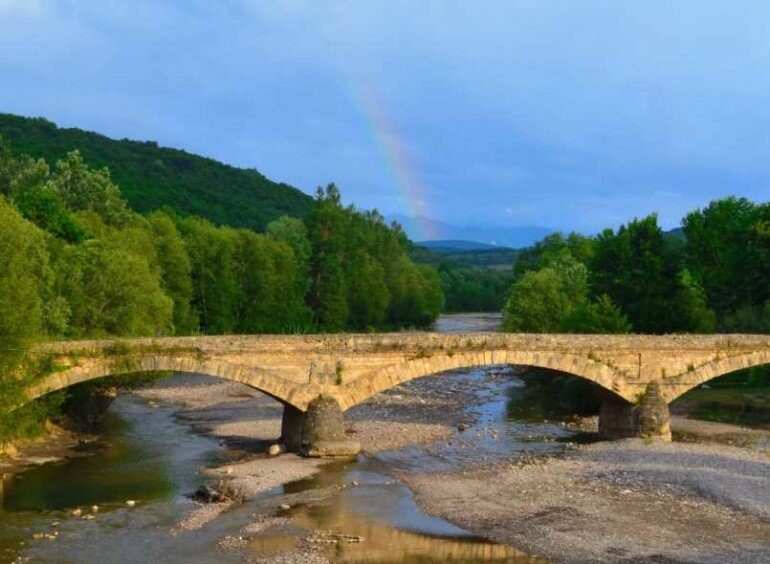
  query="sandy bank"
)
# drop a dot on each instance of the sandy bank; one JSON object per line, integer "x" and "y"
{"x": 616, "y": 500}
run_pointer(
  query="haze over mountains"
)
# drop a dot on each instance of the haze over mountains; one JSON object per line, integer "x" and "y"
{"x": 496, "y": 236}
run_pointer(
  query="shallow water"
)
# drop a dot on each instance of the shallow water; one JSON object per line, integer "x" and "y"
{"x": 144, "y": 454}
{"x": 382, "y": 510}
{"x": 148, "y": 455}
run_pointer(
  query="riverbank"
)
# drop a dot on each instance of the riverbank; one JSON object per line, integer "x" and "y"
{"x": 610, "y": 501}
{"x": 600, "y": 502}
{"x": 605, "y": 501}
{"x": 248, "y": 422}
{"x": 55, "y": 445}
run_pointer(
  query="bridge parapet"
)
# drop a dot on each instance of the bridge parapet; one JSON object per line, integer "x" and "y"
{"x": 641, "y": 373}
{"x": 351, "y": 367}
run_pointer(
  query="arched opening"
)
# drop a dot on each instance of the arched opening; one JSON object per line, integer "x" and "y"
{"x": 578, "y": 365}
{"x": 739, "y": 397}
{"x": 525, "y": 401}
{"x": 83, "y": 404}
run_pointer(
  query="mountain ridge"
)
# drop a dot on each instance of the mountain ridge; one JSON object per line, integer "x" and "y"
{"x": 151, "y": 176}
{"x": 514, "y": 237}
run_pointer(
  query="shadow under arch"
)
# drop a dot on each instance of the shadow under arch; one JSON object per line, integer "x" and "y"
{"x": 367, "y": 385}
{"x": 711, "y": 370}
{"x": 295, "y": 395}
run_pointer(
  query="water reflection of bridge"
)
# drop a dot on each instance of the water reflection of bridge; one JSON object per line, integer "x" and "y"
{"x": 387, "y": 544}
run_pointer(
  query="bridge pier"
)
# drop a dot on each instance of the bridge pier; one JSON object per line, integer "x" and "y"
{"x": 616, "y": 418}
{"x": 619, "y": 419}
{"x": 652, "y": 415}
{"x": 318, "y": 432}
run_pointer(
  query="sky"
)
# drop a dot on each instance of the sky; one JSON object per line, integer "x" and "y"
{"x": 572, "y": 115}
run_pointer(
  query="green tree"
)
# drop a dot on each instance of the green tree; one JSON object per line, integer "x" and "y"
{"x": 537, "y": 303}
{"x": 176, "y": 277}
{"x": 636, "y": 269}
{"x": 45, "y": 209}
{"x": 292, "y": 232}
{"x": 691, "y": 306}
{"x": 368, "y": 293}
{"x": 600, "y": 316}
{"x": 81, "y": 188}
{"x": 327, "y": 230}
{"x": 728, "y": 252}
{"x": 24, "y": 277}
{"x": 113, "y": 291}
{"x": 215, "y": 288}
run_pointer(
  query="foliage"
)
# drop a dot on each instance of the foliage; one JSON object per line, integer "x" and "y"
{"x": 176, "y": 270}
{"x": 537, "y": 303}
{"x": 493, "y": 259}
{"x": 152, "y": 177}
{"x": 83, "y": 189}
{"x": 468, "y": 288}
{"x": 600, "y": 316}
{"x": 75, "y": 261}
{"x": 361, "y": 274}
{"x": 728, "y": 252}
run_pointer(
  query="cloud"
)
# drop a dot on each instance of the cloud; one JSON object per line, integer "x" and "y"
{"x": 572, "y": 115}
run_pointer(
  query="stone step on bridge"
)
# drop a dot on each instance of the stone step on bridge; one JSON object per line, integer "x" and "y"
{"x": 318, "y": 377}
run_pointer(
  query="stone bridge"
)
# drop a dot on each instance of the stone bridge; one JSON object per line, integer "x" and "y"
{"x": 318, "y": 377}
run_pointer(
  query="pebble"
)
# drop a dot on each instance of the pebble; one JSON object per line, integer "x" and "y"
{"x": 76, "y": 512}
{"x": 131, "y": 503}
{"x": 275, "y": 450}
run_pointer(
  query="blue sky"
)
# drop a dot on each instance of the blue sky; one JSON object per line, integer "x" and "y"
{"x": 566, "y": 114}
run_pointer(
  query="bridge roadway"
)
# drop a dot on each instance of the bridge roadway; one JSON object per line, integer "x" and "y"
{"x": 318, "y": 377}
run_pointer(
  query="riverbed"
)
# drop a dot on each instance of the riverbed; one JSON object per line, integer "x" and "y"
{"x": 500, "y": 489}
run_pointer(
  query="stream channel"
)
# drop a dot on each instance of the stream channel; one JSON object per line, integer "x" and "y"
{"x": 146, "y": 454}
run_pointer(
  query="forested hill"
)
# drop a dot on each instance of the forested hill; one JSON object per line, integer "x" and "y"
{"x": 151, "y": 177}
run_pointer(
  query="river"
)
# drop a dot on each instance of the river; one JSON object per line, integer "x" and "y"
{"x": 148, "y": 455}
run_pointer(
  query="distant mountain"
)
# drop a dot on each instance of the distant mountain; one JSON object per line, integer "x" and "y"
{"x": 513, "y": 237}
{"x": 675, "y": 233}
{"x": 152, "y": 177}
{"x": 456, "y": 245}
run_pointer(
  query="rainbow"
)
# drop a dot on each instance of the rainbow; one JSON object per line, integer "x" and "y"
{"x": 412, "y": 193}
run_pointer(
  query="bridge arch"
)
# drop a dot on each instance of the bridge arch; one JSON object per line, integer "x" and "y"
{"x": 581, "y": 366}
{"x": 288, "y": 393}
{"x": 711, "y": 370}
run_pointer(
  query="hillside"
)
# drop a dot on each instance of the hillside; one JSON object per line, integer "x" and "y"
{"x": 151, "y": 177}
{"x": 494, "y": 258}
{"x": 455, "y": 245}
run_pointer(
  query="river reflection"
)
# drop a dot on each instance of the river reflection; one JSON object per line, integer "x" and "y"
{"x": 382, "y": 512}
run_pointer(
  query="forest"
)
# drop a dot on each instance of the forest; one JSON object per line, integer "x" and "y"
{"x": 713, "y": 276}
{"x": 77, "y": 262}
{"x": 152, "y": 177}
